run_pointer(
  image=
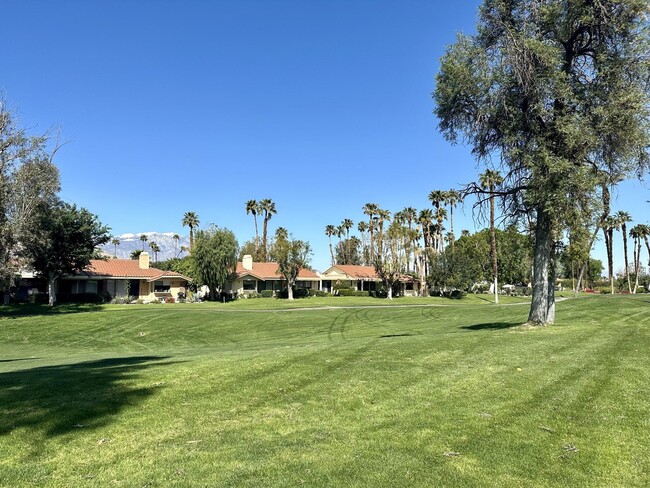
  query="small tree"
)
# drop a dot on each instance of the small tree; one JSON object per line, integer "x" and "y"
{"x": 63, "y": 242}
{"x": 215, "y": 257}
{"x": 291, "y": 255}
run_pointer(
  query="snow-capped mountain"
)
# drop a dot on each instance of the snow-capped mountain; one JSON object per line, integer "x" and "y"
{"x": 169, "y": 247}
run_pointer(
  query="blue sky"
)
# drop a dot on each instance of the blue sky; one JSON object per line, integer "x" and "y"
{"x": 171, "y": 106}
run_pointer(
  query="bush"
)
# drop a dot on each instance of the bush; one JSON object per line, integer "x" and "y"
{"x": 42, "y": 298}
{"x": 169, "y": 300}
{"x": 297, "y": 293}
{"x": 318, "y": 293}
{"x": 252, "y": 294}
{"x": 122, "y": 300}
{"x": 345, "y": 292}
{"x": 457, "y": 294}
{"x": 267, "y": 293}
{"x": 605, "y": 290}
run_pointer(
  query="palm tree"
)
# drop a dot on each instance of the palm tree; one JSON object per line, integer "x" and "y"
{"x": 362, "y": 227}
{"x": 340, "y": 232}
{"x": 440, "y": 215}
{"x": 155, "y": 248}
{"x": 636, "y": 233}
{"x": 609, "y": 225}
{"x": 382, "y": 217}
{"x": 191, "y": 220}
{"x": 452, "y": 198}
{"x": 436, "y": 197}
{"x": 252, "y": 207}
{"x": 490, "y": 180}
{"x": 176, "y": 238}
{"x": 330, "y": 230}
{"x": 144, "y": 239}
{"x": 115, "y": 242}
{"x": 347, "y": 225}
{"x": 645, "y": 232}
{"x": 425, "y": 219}
{"x": 623, "y": 218}
{"x": 268, "y": 207}
{"x": 370, "y": 209}
{"x": 135, "y": 254}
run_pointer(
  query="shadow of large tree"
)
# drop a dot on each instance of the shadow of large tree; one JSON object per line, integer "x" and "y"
{"x": 62, "y": 398}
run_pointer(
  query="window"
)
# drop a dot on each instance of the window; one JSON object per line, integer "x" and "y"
{"x": 162, "y": 286}
{"x": 303, "y": 284}
{"x": 249, "y": 285}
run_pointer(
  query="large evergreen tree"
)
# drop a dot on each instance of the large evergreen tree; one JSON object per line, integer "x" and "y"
{"x": 559, "y": 91}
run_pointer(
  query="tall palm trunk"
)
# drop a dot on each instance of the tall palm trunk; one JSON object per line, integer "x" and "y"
{"x": 627, "y": 263}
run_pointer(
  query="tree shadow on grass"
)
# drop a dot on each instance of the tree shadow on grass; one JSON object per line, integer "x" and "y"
{"x": 491, "y": 326}
{"x": 62, "y": 398}
{"x": 35, "y": 309}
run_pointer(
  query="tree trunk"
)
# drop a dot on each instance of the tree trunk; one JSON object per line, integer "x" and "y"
{"x": 51, "y": 282}
{"x": 610, "y": 256}
{"x": 493, "y": 247}
{"x": 627, "y": 263}
{"x": 389, "y": 295}
{"x": 539, "y": 306}
{"x": 290, "y": 291}
{"x": 636, "y": 251}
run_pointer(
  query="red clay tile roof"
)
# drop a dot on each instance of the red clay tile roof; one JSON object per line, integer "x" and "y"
{"x": 127, "y": 268}
{"x": 357, "y": 272}
{"x": 269, "y": 271}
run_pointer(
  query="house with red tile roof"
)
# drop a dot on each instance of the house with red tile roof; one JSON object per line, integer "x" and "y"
{"x": 251, "y": 276}
{"x": 125, "y": 277}
{"x": 361, "y": 278}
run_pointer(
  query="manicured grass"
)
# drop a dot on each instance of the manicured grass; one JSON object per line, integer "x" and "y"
{"x": 214, "y": 395}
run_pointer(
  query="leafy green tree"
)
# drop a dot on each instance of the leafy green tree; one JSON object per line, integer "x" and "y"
{"x": 63, "y": 242}
{"x": 191, "y": 220}
{"x": 136, "y": 254}
{"x": 349, "y": 251}
{"x": 292, "y": 255}
{"x": 558, "y": 91}
{"x": 28, "y": 180}
{"x": 184, "y": 266}
{"x": 215, "y": 258}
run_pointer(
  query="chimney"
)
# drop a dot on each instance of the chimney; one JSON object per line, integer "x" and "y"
{"x": 143, "y": 261}
{"x": 247, "y": 262}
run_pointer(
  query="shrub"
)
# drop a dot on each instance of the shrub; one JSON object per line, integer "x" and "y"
{"x": 345, "y": 292}
{"x": 252, "y": 294}
{"x": 122, "y": 300}
{"x": 267, "y": 293}
{"x": 169, "y": 300}
{"x": 41, "y": 298}
{"x": 318, "y": 293}
{"x": 605, "y": 290}
{"x": 457, "y": 294}
{"x": 297, "y": 293}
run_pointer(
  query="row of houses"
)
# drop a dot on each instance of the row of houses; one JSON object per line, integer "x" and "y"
{"x": 122, "y": 277}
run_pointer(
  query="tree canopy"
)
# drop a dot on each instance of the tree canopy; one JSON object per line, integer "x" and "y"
{"x": 215, "y": 257}
{"x": 559, "y": 92}
{"x": 63, "y": 242}
{"x": 292, "y": 255}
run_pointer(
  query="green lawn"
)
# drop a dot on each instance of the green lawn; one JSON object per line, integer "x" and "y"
{"x": 454, "y": 393}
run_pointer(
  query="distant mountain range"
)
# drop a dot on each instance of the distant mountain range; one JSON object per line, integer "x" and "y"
{"x": 169, "y": 247}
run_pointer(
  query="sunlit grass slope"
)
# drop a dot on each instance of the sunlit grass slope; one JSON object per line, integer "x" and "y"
{"x": 457, "y": 394}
